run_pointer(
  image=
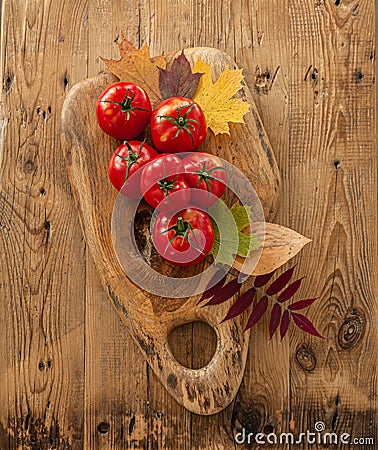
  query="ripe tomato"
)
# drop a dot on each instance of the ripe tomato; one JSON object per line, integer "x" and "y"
{"x": 184, "y": 238}
{"x": 124, "y": 167}
{"x": 123, "y": 110}
{"x": 177, "y": 125}
{"x": 207, "y": 175}
{"x": 163, "y": 185}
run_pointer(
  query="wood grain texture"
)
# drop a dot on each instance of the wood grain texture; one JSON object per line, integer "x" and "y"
{"x": 42, "y": 247}
{"x": 337, "y": 98}
{"x": 310, "y": 66}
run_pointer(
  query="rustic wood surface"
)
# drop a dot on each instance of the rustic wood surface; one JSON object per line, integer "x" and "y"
{"x": 71, "y": 377}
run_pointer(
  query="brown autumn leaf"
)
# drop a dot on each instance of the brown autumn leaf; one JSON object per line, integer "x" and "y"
{"x": 280, "y": 245}
{"x": 135, "y": 65}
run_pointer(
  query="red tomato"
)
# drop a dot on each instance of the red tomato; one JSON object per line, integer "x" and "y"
{"x": 206, "y": 174}
{"x": 177, "y": 125}
{"x": 184, "y": 238}
{"x": 163, "y": 185}
{"x": 123, "y": 110}
{"x": 124, "y": 164}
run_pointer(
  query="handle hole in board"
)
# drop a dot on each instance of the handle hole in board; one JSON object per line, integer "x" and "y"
{"x": 193, "y": 344}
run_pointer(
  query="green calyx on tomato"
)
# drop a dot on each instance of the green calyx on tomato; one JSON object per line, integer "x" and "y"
{"x": 205, "y": 175}
{"x": 163, "y": 184}
{"x": 177, "y": 125}
{"x": 183, "y": 122}
{"x": 127, "y": 104}
{"x": 123, "y": 110}
{"x": 184, "y": 238}
{"x": 131, "y": 157}
{"x": 125, "y": 164}
{"x": 167, "y": 185}
{"x": 185, "y": 230}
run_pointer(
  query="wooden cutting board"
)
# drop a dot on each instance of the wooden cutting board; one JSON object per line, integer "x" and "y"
{"x": 150, "y": 318}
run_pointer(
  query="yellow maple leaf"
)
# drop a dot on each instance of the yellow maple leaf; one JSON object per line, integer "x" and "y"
{"x": 135, "y": 65}
{"x": 217, "y": 99}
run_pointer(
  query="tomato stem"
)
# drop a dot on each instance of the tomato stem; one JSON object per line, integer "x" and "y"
{"x": 167, "y": 185}
{"x": 181, "y": 227}
{"x": 182, "y": 122}
{"x": 205, "y": 175}
{"x": 131, "y": 158}
{"x": 126, "y": 104}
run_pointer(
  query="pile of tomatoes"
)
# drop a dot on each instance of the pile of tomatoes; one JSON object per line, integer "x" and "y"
{"x": 176, "y": 181}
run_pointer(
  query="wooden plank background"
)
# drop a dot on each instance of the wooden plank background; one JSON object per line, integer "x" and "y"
{"x": 70, "y": 376}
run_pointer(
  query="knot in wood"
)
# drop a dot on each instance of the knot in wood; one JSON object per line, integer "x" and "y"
{"x": 8, "y": 83}
{"x": 350, "y": 332}
{"x": 28, "y": 166}
{"x": 251, "y": 420}
{"x": 103, "y": 427}
{"x": 306, "y": 358}
{"x": 358, "y": 76}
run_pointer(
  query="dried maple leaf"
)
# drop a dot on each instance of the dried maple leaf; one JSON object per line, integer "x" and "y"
{"x": 280, "y": 245}
{"x": 135, "y": 65}
{"x": 217, "y": 99}
{"x": 179, "y": 79}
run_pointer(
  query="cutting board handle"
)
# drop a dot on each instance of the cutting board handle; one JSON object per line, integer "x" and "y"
{"x": 206, "y": 390}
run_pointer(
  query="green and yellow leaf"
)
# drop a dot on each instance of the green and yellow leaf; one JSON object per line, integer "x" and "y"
{"x": 229, "y": 240}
